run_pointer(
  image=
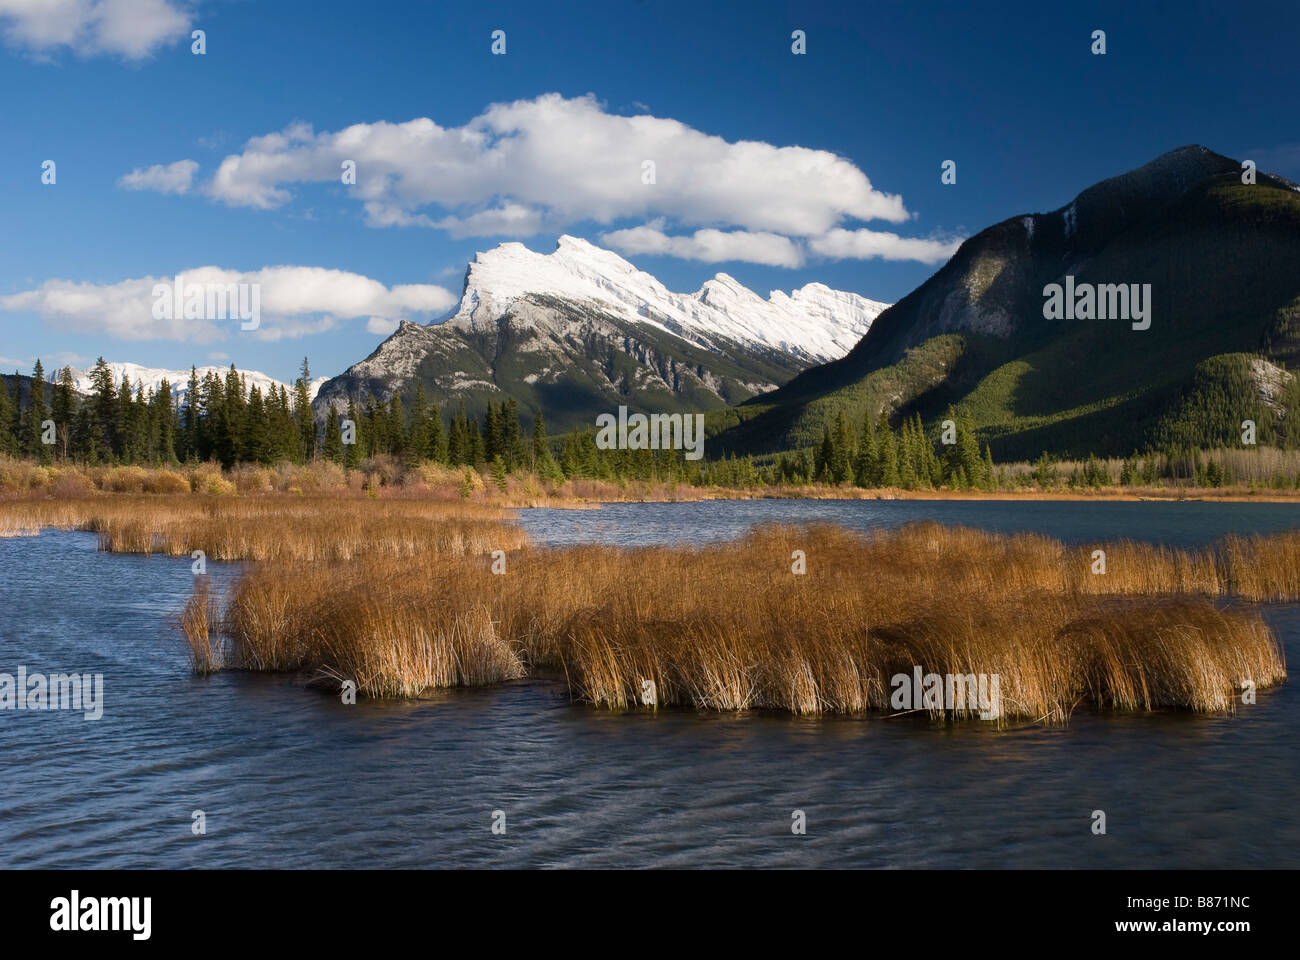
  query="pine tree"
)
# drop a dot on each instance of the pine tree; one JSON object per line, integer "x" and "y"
{"x": 477, "y": 454}
{"x": 102, "y": 423}
{"x": 333, "y": 448}
{"x": 541, "y": 450}
{"x": 437, "y": 442}
{"x": 492, "y": 432}
{"x": 36, "y": 416}
{"x": 512, "y": 439}
{"x": 303, "y": 415}
{"x": 8, "y": 437}
{"x": 842, "y": 451}
{"x": 398, "y": 440}
{"x": 826, "y": 453}
{"x": 458, "y": 446}
{"x": 418, "y": 446}
{"x": 888, "y": 454}
{"x": 866, "y": 467}
{"x": 63, "y": 409}
{"x": 352, "y": 451}
{"x": 189, "y": 438}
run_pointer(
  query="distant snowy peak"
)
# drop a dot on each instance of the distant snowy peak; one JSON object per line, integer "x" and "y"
{"x": 814, "y": 322}
{"x": 152, "y": 377}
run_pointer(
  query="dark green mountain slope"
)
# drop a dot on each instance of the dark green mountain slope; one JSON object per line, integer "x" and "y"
{"x": 1223, "y": 262}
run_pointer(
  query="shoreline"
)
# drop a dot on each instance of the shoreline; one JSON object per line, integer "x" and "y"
{"x": 927, "y": 495}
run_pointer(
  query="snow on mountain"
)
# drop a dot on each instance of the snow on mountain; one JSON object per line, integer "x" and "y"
{"x": 152, "y": 377}
{"x": 813, "y": 322}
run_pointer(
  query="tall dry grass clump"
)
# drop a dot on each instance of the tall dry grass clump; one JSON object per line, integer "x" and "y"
{"x": 393, "y": 627}
{"x": 272, "y": 529}
{"x": 200, "y": 621}
{"x": 730, "y": 627}
{"x": 1262, "y": 568}
{"x": 399, "y": 595}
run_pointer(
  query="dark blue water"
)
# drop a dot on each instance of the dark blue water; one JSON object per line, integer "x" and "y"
{"x": 288, "y": 777}
{"x": 1178, "y": 524}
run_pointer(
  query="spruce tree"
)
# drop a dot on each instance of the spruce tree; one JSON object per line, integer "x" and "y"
{"x": 8, "y": 437}
{"x": 888, "y": 453}
{"x": 63, "y": 410}
{"x": 37, "y": 414}
{"x": 333, "y": 449}
{"x": 352, "y": 451}
{"x": 303, "y": 415}
{"x": 842, "y": 451}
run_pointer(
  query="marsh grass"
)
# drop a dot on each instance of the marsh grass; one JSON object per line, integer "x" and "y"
{"x": 399, "y": 596}
{"x": 729, "y": 627}
{"x": 278, "y": 530}
{"x": 200, "y": 622}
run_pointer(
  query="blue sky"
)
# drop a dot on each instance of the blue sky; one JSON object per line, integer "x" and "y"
{"x": 885, "y": 93}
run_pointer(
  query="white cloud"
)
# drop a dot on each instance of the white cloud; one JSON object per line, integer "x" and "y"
{"x": 523, "y": 168}
{"x": 132, "y": 29}
{"x": 295, "y": 301}
{"x": 840, "y": 244}
{"x": 381, "y": 326}
{"x": 172, "y": 178}
{"x": 710, "y": 246}
{"x": 553, "y": 161}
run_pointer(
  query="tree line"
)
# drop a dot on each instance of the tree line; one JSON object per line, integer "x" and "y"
{"x": 223, "y": 418}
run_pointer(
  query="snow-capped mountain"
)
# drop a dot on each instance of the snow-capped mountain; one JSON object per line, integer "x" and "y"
{"x": 814, "y": 322}
{"x": 581, "y": 330}
{"x": 152, "y": 378}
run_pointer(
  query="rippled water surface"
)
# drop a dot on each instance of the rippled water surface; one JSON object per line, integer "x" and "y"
{"x": 288, "y": 777}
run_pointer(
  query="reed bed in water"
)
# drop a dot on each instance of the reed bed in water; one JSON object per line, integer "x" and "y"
{"x": 730, "y": 626}
{"x": 272, "y": 529}
{"x": 200, "y": 621}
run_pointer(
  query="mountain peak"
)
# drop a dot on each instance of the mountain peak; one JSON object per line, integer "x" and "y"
{"x": 816, "y": 328}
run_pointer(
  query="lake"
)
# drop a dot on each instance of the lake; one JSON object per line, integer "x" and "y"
{"x": 289, "y": 777}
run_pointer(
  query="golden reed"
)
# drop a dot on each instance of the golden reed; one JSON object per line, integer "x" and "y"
{"x": 400, "y": 596}
{"x": 731, "y": 627}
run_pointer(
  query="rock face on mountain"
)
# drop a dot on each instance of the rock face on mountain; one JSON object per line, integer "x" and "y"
{"x": 1221, "y": 256}
{"x": 580, "y": 331}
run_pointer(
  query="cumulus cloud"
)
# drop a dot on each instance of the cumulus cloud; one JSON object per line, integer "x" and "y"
{"x": 171, "y": 178}
{"x": 840, "y": 244}
{"x": 552, "y": 161}
{"x": 709, "y": 245}
{"x": 531, "y": 166}
{"x": 132, "y": 29}
{"x": 295, "y": 301}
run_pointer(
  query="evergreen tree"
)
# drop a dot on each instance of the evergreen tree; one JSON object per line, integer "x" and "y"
{"x": 512, "y": 439}
{"x": 352, "y": 451}
{"x": 189, "y": 439}
{"x": 8, "y": 436}
{"x": 888, "y": 453}
{"x": 34, "y": 419}
{"x": 841, "y": 462}
{"x": 333, "y": 448}
{"x": 825, "y": 454}
{"x": 303, "y": 415}
{"x": 64, "y": 410}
